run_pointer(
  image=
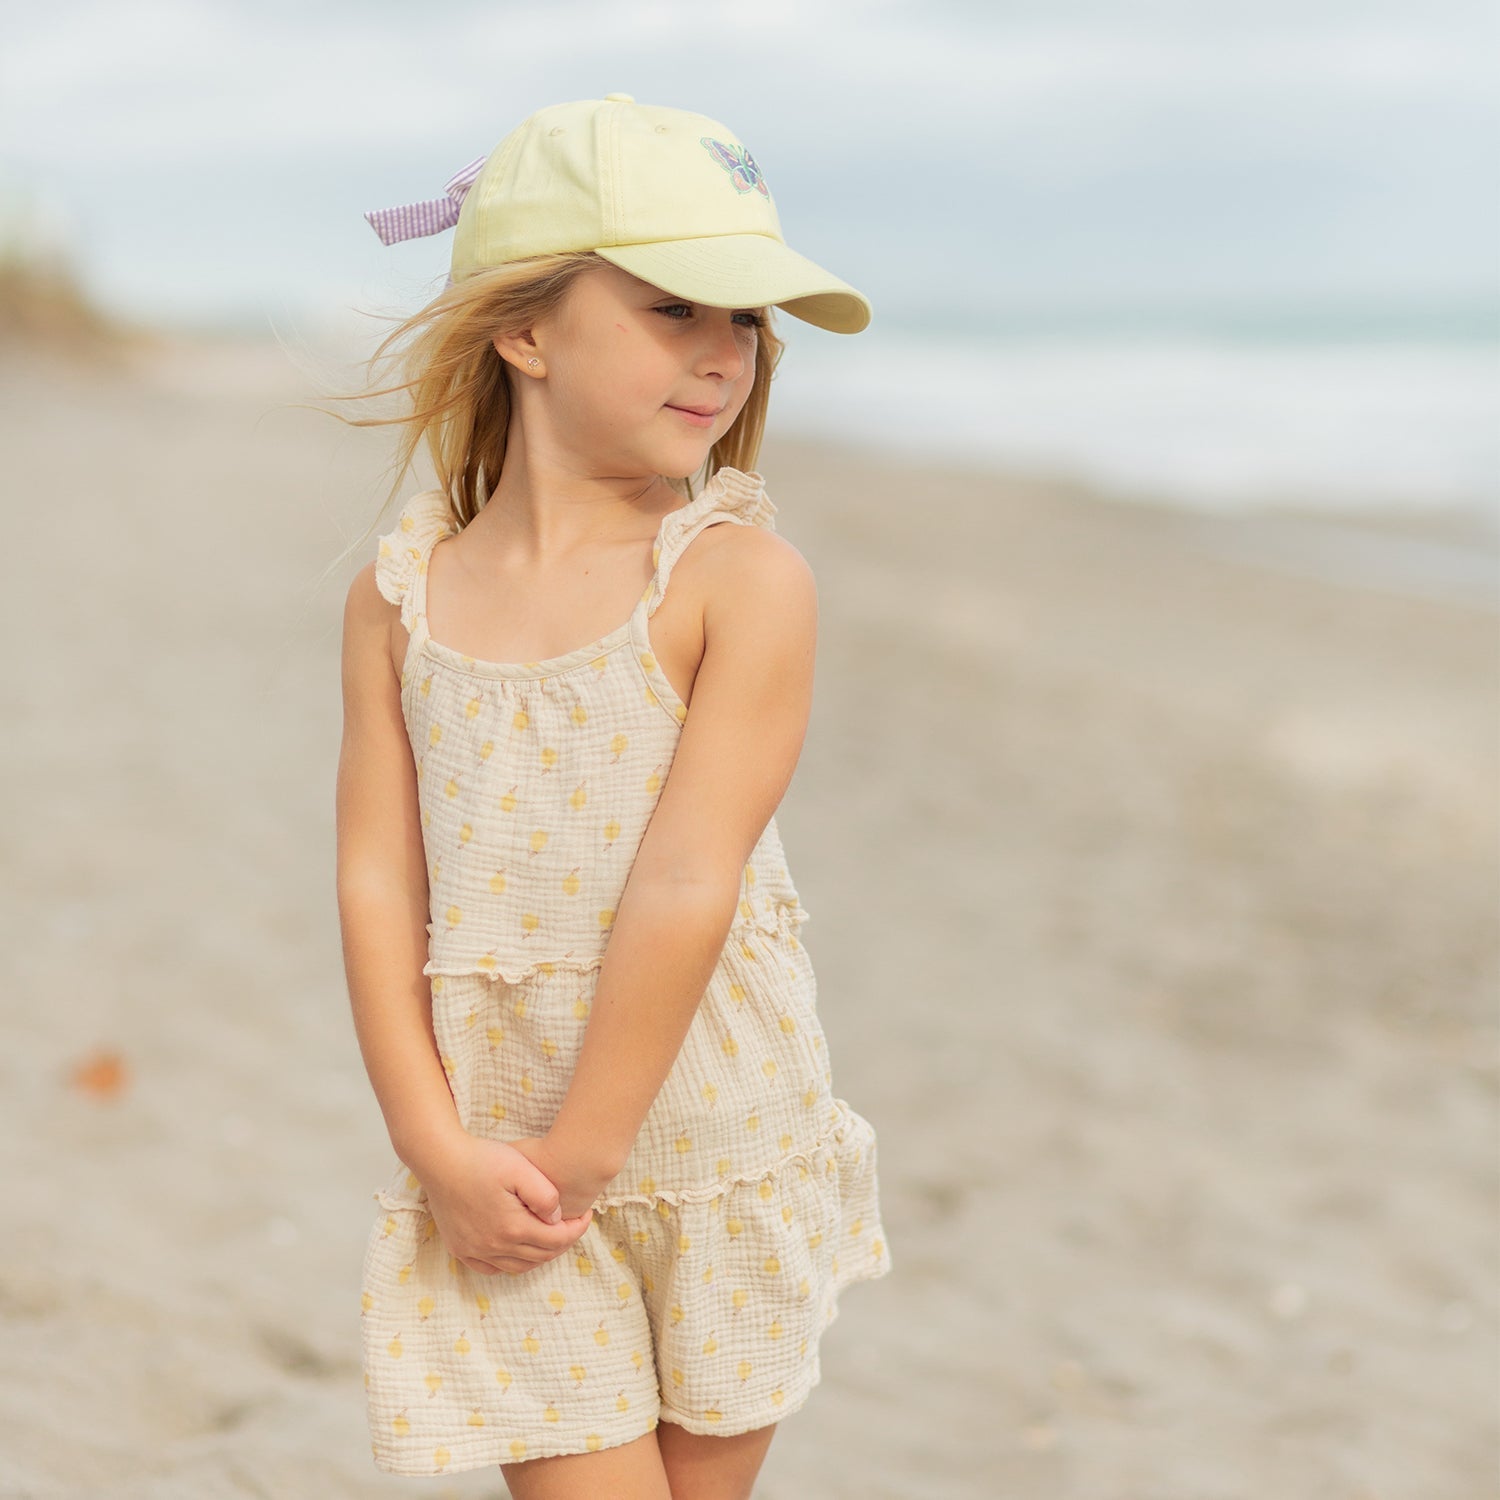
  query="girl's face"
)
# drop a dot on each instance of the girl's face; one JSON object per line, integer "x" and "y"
{"x": 620, "y": 356}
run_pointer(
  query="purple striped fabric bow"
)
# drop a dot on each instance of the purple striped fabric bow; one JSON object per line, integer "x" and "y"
{"x": 410, "y": 221}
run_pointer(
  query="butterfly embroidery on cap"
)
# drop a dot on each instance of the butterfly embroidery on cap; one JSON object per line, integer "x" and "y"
{"x": 739, "y": 163}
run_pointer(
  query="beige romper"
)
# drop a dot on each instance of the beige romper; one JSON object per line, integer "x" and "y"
{"x": 749, "y": 1200}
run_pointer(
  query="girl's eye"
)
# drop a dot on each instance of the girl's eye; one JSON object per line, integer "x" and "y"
{"x": 756, "y": 321}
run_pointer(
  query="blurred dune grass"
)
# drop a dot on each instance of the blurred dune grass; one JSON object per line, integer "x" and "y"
{"x": 44, "y": 304}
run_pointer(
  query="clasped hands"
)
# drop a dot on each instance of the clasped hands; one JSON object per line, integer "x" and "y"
{"x": 508, "y": 1206}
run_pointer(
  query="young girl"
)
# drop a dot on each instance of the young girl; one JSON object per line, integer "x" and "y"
{"x": 625, "y": 1198}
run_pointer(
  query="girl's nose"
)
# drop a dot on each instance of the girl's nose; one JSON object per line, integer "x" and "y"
{"x": 726, "y": 349}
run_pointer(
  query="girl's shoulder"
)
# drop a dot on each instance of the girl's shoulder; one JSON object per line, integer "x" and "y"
{"x": 403, "y": 551}
{"x": 730, "y": 495}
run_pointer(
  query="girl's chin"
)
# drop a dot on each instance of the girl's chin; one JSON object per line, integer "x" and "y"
{"x": 683, "y": 457}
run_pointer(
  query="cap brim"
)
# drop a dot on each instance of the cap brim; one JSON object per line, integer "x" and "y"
{"x": 745, "y": 270}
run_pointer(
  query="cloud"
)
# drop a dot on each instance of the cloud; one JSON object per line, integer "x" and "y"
{"x": 171, "y": 81}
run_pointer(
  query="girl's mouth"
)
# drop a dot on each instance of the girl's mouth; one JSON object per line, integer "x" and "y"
{"x": 693, "y": 417}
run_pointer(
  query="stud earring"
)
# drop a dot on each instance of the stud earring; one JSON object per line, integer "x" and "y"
{"x": 533, "y": 361}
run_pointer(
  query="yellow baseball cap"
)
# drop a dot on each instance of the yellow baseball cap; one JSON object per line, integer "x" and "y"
{"x": 670, "y": 196}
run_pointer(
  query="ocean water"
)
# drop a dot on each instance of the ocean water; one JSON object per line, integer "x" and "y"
{"x": 1389, "y": 417}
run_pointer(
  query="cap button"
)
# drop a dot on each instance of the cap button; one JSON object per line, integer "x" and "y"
{"x": 621, "y": 98}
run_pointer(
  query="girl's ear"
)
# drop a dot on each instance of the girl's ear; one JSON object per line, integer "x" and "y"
{"x": 516, "y": 349}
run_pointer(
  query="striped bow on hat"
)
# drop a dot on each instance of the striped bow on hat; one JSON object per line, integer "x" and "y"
{"x": 410, "y": 221}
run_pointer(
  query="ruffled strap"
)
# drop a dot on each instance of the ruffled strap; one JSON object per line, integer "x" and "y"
{"x": 731, "y": 495}
{"x": 401, "y": 564}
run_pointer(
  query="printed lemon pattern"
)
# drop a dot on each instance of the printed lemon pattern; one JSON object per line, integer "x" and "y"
{"x": 750, "y": 1197}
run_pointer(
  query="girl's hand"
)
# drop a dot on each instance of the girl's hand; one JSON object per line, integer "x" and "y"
{"x": 493, "y": 1208}
{"x": 577, "y": 1184}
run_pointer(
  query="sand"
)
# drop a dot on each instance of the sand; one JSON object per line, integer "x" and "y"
{"x": 1174, "y": 1008}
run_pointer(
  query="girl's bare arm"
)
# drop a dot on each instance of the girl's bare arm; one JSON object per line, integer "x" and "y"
{"x": 751, "y": 703}
{"x": 382, "y": 890}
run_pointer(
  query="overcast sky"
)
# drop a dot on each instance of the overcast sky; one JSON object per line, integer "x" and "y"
{"x": 214, "y": 159}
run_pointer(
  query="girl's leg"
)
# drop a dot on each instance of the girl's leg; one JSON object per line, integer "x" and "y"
{"x": 705, "y": 1467}
{"x": 628, "y": 1471}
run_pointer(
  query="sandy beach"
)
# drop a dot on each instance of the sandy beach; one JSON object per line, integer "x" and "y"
{"x": 1174, "y": 1008}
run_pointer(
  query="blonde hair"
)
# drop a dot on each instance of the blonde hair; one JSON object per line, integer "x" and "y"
{"x": 459, "y": 393}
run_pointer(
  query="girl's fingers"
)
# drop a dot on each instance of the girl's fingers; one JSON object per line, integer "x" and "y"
{"x": 549, "y": 1239}
{"x": 527, "y": 1254}
{"x": 542, "y": 1249}
{"x": 539, "y": 1244}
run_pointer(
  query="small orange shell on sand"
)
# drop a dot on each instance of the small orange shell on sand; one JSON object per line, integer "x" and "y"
{"x": 102, "y": 1073}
